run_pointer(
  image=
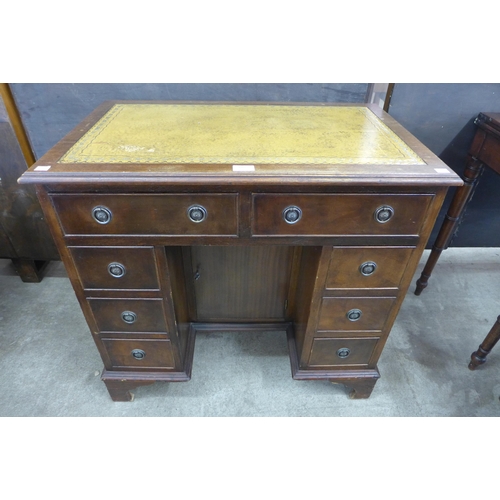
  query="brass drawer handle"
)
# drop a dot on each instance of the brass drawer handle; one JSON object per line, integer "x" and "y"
{"x": 384, "y": 214}
{"x": 343, "y": 352}
{"x": 354, "y": 314}
{"x": 138, "y": 354}
{"x": 129, "y": 317}
{"x": 367, "y": 268}
{"x": 116, "y": 269}
{"x": 292, "y": 214}
{"x": 102, "y": 215}
{"x": 197, "y": 213}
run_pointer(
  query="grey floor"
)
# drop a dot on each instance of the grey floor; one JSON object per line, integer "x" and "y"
{"x": 50, "y": 367}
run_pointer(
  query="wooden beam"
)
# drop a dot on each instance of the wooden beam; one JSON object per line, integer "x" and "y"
{"x": 17, "y": 124}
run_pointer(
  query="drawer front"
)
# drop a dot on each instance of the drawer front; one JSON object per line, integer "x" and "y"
{"x": 141, "y": 214}
{"x": 119, "y": 268}
{"x": 134, "y": 315}
{"x": 338, "y": 214}
{"x": 367, "y": 267}
{"x": 139, "y": 353}
{"x": 332, "y": 352}
{"x": 354, "y": 313}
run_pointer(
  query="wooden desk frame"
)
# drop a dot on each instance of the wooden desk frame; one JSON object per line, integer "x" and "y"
{"x": 336, "y": 322}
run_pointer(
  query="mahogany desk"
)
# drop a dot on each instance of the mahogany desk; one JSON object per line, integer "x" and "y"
{"x": 178, "y": 218}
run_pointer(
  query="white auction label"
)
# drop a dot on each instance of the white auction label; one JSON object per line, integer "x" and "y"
{"x": 243, "y": 168}
{"x": 43, "y": 167}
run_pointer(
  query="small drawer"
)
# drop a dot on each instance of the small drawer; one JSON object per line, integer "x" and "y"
{"x": 119, "y": 268}
{"x": 338, "y": 214}
{"x": 367, "y": 267}
{"x": 331, "y": 352}
{"x": 354, "y": 313}
{"x": 134, "y": 315}
{"x": 143, "y": 214}
{"x": 140, "y": 353}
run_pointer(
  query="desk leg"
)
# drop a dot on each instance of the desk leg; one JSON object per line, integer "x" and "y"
{"x": 119, "y": 390}
{"x": 479, "y": 357}
{"x": 462, "y": 196}
{"x": 360, "y": 389}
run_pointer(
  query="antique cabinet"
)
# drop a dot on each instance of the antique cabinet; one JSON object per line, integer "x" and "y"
{"x": 177, "y": 218}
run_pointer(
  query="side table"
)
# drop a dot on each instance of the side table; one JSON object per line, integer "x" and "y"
{"x": 485, "y": 150}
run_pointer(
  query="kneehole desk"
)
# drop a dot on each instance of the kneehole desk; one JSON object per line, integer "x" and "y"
{"x": 177, "y": 218}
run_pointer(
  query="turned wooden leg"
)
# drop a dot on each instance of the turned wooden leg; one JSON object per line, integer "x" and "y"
{"x": 119, "y": 390}
{"x": 29, "y": 270}
{"x": 462, "y": 196}
{"x": 360, "y": 388}
{"x": 479, "y": 357}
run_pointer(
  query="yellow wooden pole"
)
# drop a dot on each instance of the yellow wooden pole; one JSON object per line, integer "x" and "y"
{"x": 17, "y": 124}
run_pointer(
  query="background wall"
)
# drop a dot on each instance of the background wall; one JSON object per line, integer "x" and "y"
{"x": 442, "y": 117}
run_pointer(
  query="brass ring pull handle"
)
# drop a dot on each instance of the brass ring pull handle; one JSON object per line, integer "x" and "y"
{"x": 343, "y": 352}
{"x": 383, "y": 214}
{"x": 197, "y": 213}
{"x": 138, "y": 354}
{"x": 367, "y": 268}
{"x": 354, "y": 314}
{"x": 102, "y": 215}
{"x": 292, "y": 214}
{"x": 129, "y": 317}
{"x": 116, "y": 269}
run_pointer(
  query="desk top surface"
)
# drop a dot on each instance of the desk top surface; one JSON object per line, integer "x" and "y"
{"x": 234, "y": 140}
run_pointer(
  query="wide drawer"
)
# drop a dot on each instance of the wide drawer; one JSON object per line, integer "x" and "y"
{"x": 367, "y": 267}
{"x": 140, "y": 353}
{"x": 118, "y": 268}
{"x": 128, "y": 315}
{"x": 331, "y": 352}
{"x": 354, "y": 313}
{"x": 142, "y": 214}
{"x": 338, "y": 214}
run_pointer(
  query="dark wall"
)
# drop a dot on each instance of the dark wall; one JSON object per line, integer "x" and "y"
{"x": 50, "y": 111}
{"x": 442, "y": 117}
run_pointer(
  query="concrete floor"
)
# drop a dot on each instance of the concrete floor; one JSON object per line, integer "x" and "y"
{"x": 49, "y": 365}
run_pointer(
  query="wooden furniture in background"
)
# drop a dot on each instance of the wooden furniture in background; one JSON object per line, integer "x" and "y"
{"x": 178, "y": 218}
{"x": 24, "y": 235}
{"x": 479, "y": 357}
{"x": 485, "y": 151}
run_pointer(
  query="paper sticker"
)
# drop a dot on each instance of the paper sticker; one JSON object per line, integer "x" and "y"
{"x": 442, "y": 170}
{"x": 243, "y": 168}
{"x": 43, "y": 167}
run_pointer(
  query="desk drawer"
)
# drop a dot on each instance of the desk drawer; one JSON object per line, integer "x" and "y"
{"x": 129, "y": 315}
{"x": 338, "y": 214}
{"x": 142, "y": 214}
{"x": 367, "y": 267}
{"x": 354, "y": 313}
{"x": 336, "y": 352}
{"x": 118, "y": 268}
{"x": 140, "y": 353}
